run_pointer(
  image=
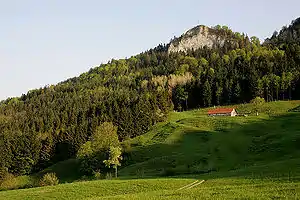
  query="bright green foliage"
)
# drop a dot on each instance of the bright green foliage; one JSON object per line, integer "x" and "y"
{"x": 49, "y": 179}
{"x": 85, "y": 150}
{"x": 193, "y": 143}
{"x": 50, "y": 124}
{"x": 104, "y": 137}
{"x": 93, "y": 153}
{"x": 257, "y": 103}
{"x": 114, "y": 159}
{"x": 248, "y": 157}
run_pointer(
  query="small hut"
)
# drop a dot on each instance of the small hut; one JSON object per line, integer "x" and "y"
{"x": 222, "y": 112}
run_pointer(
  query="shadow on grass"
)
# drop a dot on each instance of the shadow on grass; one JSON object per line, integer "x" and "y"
{"x": 296, "y": 109}
{"x": 265, "y": 148}
{"x": 67, "y": 171}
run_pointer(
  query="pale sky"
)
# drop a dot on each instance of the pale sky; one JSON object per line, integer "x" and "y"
{"x": 47, "y": 41}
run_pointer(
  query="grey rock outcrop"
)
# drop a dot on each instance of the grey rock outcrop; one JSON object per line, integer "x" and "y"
{"x": 195, "y": 38}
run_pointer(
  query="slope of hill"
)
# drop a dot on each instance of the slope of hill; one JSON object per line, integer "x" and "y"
{"x": 288, "y": 34}
{"x": 254, "y": 157}
{"x": 192, "y": 142}
{"x": 50, "y": 124}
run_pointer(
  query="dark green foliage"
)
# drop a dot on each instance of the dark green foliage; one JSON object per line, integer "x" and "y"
{"x": 50, "y": 124}
{"x": 200, "y": 144}
{"x": 180, "y": 98}
{"x": 207, "y": 95}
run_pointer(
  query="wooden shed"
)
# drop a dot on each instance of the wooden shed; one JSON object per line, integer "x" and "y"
{"x": 222, "y": 112}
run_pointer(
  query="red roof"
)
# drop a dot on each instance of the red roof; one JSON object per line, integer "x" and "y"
{"x": 220, "y": 111}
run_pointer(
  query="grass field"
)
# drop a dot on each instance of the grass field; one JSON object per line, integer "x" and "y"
{"x": 192, "y": 142}
{"x": 253, "y": 157}
{"x": 226, "y": 188}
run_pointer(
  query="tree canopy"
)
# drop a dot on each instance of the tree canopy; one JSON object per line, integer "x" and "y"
{"x": 127, "y": 96}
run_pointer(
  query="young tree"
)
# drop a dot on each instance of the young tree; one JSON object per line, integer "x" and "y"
{"x": 259, "y": 88}
{"x": 219, "y": 91}
{"x": 275, "y": 83}
{"x": 257, "y": 103}
{"x": 289, "y": 81}
{"x": 237, "y": 92}
{"x": 181, "y": 96}
{"x": 283, "y": 85}
{"x": 207, "y": 94}
{"x": 114, "y": 159}
{"x": 105, "y": 136}
{"x": 266, "y": 82}
{"x": 92, "y": 153}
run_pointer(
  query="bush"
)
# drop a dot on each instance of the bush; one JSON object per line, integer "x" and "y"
{"x": 3, "y": 173}
{"x": 9, "y": 182}
{"x": 258, "y": 101}
{"x": 49, "y": 179}
{"x": 97, "y": 175}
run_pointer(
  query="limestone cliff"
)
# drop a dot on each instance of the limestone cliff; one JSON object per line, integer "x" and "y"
{"x": 197, "y": 37}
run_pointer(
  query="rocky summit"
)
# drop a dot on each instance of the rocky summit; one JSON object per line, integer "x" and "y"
{"x": 195, "y": 38}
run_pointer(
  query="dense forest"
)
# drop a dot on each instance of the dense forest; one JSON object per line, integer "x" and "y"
{"x": 50, "y": 124}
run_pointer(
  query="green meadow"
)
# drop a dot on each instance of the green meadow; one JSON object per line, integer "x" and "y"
{"x": 244, "y": 157}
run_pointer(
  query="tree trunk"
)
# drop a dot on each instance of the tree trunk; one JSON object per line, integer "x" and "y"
{"x": 116, "y": 172}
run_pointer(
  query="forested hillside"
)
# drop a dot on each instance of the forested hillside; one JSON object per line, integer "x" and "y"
{"x": 50, "y": 124}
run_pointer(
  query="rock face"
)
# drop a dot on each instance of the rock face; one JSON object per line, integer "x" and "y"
{"x": 195, "y": 38}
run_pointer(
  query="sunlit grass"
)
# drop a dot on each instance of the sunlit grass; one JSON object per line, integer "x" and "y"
{"x": 253, "y": 157}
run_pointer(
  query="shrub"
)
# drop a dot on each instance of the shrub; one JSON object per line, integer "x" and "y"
{"x": 3, "y": 173}
{"x": 97, "y": 175}
{"x": 9, "y": 182}
{"x": 258, "y": 101}
{"x": 49, "y": 179}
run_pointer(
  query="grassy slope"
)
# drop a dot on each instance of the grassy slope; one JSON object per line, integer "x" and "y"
{"x": 255, "y": 157}
{"x": 67, "y": 172}
{"x": 191, "y": 142}
{"x": 162, "y": 189}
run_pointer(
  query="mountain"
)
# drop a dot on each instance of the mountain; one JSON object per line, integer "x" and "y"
{"x": 288, "y": 34}
{"x": 201, "y": 36}
{"x": 202, "y": 68}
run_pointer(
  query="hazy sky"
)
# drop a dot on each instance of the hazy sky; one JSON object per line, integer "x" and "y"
{"x": 47, "y": 41}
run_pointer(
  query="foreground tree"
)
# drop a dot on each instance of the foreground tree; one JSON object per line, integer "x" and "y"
{"x": 95, "y": 151}
{"x": 114, "y": 159}
{"x": 257, "y": 103}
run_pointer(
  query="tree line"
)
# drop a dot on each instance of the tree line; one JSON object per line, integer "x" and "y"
{"x": 55, "y": 122}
